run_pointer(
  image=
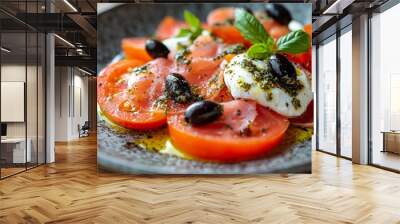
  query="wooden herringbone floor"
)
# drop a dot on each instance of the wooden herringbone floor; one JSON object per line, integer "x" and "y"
{"x": 71, "y": 191}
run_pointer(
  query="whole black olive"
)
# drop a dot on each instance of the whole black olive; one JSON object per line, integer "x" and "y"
{"x": 156, "y": 49}
{"x": 248, "y": 10}
{"x": 279, "y": 13}
{"x": 203, "y": 112}
{"x": 178, "y": 89}
{"x": 281, "y": 67}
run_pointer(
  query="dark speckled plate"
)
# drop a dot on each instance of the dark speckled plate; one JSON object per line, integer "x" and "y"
{"x": 115, "y": 150}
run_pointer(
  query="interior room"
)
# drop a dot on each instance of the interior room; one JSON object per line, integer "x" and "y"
{"x": 49, "y": 109}
{"x": 335, "y": 64}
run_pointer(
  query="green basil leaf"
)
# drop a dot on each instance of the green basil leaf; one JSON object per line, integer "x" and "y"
{"x": 250, "y": 28}
{"x": 294, "y": 42}
{"x": 196, "y": 33}
{"x": 259, "y": 51}
{"x": 184, "y": 33}
{"x": 193, "y": 22}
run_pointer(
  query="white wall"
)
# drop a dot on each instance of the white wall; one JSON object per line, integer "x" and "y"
{"x": 12, "y": 73}
{"x": 71, "y": 93}
{"x": 33, "y": 127}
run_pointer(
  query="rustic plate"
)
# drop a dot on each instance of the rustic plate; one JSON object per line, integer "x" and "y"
{"x": 115, "y": 149}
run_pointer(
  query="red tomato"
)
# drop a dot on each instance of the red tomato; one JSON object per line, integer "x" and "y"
{"x": 308, "y": 29}
{"x": 169, "y": 27}
{"x": 204, "y": 46}
{"x": 224, "y": 95}
{"x": 306, "y": 119}
{"x": 203, "y": 75}
{"x": 229, "y": 34}
{"x": 203, "y": 72}
{"x": 303, "y": 59}
{"x": 244, "y": 131}
{"x": 134, "y": 48}
{"x": 278, "y": 31}
{"x": 130, "y": 102}
{"x": 217, "y": 20}
{"x": 269, "y": 24}
{"x": 220, "y": 15}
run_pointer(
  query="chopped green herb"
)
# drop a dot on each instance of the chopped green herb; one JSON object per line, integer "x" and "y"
{"x": 181, "y": 55}
{"x": 269, "y": 96}
{"x": 231, "y": 49}
{"x": 244, "y": 85}
{"x": 141, "y": 69}
{"x": 296, "y": 103}
{"x": 266, "y": 81}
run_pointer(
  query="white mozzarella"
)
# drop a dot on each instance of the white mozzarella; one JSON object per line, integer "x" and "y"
{"x": 173, "y": 43}
{"x": 295, "y": 25}
{"x": 242, "y": 84}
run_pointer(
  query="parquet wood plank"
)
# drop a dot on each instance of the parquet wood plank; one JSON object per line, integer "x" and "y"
{"x": 72, "y": 191}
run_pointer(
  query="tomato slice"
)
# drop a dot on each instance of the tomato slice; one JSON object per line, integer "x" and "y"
{"x": 306, "y": 119}
{"x": 219, "y": 21}
{"x": 134, "y": 48}
{"x": 169, "y": 27}
{"x": 308, "y": 29}
{"x": 269, "y": 24}
{"x": 244, "y": 131}
{"x": 229, "y": 34}
{"x": 203, "y": 73}
{"x": 278, "y": 31}
{"x": 204, "y": 46}
{"x": 224, "y": 95}
{"x": 303, "y": 59}
{"x": 220, "y": 15}
{"x": 129, "y": 100}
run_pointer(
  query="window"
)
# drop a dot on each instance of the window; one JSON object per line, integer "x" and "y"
{"x": 22, "y": 101}
{"x": 385, "y": 89}
{"x": 327, "y": 96}
{"x": 346, "y": 92}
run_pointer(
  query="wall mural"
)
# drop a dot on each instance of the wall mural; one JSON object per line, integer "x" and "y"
{"x": 205, "y": 88}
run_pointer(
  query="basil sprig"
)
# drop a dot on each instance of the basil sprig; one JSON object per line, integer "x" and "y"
{"x": 294, "y": 42}
{"x": 263, "y": 44}
{"x": 194, "y": 29}
{"x": 250, "y": 27}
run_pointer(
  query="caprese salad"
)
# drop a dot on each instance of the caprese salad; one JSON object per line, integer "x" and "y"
{"x": 227, "y": 90}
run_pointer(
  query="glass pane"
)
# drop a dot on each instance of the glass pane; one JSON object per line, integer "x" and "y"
{"x": 13, "y": 86}
{"x": 31, "y": 98}
{"x": 32, "y": 87}
{"x": 41, "y": 99}
{"x": 385, "y": 84}
{"x": 314, "y": 79}
{"x": 346, "y": 94}
{"x": 327, "y": 96}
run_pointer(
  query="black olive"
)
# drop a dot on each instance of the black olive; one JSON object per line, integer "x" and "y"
{"x": 279, "y": 13}
{"x": 248, "y": 10}
{"x": 203, "y": 112}
{"x": 281, "y": 67}
{"x": 178, "y": 89}
{"x": 156, "y": 49}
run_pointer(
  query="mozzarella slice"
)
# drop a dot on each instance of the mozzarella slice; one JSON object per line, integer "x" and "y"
{"x": 173, "y": 43}
{"x": 295, "y": 25}
{"x": 242, "y": 82}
